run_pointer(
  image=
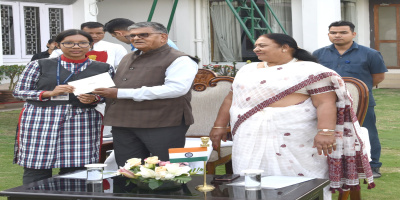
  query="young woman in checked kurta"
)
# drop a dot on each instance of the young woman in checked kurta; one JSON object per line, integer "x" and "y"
{"x": 291, "y": 116}
{"x": 58, "y": 129}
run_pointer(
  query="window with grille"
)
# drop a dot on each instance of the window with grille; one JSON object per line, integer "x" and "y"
{"x": 32, "y": 30}
{"x": 7, "y": 30}
{"x": 56, "y": 21}
{"x": 26, "y": 28}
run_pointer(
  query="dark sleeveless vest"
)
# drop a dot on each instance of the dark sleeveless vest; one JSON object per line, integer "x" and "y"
{"x": 48, "y": 80}
{"x": 148, "y": 69}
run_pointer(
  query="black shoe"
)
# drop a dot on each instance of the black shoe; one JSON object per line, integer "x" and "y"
{"x": 375, "y": 172}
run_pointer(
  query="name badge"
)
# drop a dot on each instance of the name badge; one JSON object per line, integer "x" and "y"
{"x": 63, "y": 97}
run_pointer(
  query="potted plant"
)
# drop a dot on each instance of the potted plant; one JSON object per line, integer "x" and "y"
{"x": 12, "y": 72}
{"x": 223, "y": 70}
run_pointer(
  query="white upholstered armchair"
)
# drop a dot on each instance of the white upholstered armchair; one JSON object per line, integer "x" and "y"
{"x": 208, "y": 93}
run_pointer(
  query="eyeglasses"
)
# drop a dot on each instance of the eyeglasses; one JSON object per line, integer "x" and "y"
{"x": 140, "y": 35}
{"x": 72, "y": 44}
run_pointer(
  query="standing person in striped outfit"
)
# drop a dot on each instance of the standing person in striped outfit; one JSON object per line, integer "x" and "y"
{"x": 58, "y": 129}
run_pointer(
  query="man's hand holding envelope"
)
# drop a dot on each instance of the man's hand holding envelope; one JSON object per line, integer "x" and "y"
{"x": 106, "y": 92}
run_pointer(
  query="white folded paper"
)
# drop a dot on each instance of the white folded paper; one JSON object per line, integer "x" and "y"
{"x": 83, "y": 175}
{"x": 89, "y": 84}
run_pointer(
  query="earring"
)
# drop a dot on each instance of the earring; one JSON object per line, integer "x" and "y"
{"x": 284, "y": 51}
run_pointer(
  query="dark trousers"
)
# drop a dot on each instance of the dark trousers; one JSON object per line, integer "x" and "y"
{"x": 140, "y": 142}
{"x": 370, "y": 124}
{"x": 32, "y": 175}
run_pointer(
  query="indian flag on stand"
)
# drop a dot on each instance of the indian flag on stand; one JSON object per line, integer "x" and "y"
{"x": 192, "y": 154}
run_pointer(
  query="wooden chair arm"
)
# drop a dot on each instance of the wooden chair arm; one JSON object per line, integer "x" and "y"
{"x": 218, "y": 149}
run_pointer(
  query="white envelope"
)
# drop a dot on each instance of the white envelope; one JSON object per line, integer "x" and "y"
{"x": 89, "y": 84}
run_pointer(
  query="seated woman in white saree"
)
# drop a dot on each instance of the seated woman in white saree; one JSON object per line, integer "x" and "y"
{"x": 292, "y": 116}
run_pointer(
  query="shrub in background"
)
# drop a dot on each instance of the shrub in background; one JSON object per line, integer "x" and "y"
{"x": 12, "y": 72}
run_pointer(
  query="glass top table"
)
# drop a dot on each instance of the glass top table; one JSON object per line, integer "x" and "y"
{"x": 117, "y": 188}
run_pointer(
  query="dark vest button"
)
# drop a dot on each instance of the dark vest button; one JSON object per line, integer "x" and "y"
{"x": 113, "y": 102}
{"x": 124, "y": 79}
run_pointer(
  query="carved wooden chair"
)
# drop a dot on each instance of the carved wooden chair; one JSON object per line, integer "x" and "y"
{"x": 359, "y": 93}
{"x": 105, "y": 146}
{"x": 209, "y": 91}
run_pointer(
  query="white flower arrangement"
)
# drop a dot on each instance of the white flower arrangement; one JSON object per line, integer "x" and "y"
{"x": 154, "y": 171}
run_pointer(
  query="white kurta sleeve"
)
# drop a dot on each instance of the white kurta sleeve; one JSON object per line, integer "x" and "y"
{"x": 178, "y": 81}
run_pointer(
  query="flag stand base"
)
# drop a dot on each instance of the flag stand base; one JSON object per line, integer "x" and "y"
{"x": 205, "y": 188}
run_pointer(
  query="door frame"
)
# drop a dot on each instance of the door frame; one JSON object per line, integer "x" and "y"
{"x": 376, "y": 31}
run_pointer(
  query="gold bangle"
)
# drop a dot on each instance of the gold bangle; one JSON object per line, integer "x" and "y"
{"x": 326, "y": 134}
{"x": 219, "y": 127}
{"x": 325, "y": 130}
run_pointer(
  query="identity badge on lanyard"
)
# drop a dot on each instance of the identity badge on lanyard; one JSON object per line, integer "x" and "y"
{"x": 65, "y": 96}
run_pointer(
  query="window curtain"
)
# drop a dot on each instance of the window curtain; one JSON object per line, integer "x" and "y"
{"x": 283, "y": 11}
{"x": 227, "y": 31}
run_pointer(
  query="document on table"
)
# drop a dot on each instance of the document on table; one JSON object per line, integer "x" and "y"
{"x": 83, "y": 175}
{"x": 89, "y": 84}
{"x": 275, "y": 182}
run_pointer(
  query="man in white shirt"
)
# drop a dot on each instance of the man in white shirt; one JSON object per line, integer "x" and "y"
{"x": 149, "y": 109}
{"x": 118, "y": 28}
{"x": 102, "y": 51}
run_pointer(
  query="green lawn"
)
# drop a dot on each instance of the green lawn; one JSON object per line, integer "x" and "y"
{"x": 387, "y": 111}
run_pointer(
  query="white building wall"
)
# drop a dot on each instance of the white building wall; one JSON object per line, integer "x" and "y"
{"x": 311, "y": 19}
{"x": 297, "y": 22}
{"x": 138, "y": 11}
{"x": 193, "y": 29}
{"x": 83, "y": 11}
{"x": 363, "y": 28}
{"x": 206, "y": 54}
{"x": 183, "y": 28}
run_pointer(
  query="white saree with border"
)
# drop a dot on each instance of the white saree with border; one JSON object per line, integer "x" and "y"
{"x": 279, "y": 140}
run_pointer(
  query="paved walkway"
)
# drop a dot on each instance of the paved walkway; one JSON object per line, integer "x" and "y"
{"x": 11, "y": 106}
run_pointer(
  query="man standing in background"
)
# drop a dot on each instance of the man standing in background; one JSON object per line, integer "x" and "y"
{"x": 118, "y": 28}
{"x": 51, "y": 46}
{"x": 350, "y": 59}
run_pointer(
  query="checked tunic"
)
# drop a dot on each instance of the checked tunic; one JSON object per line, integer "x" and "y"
{"x": 58, "y": 136}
